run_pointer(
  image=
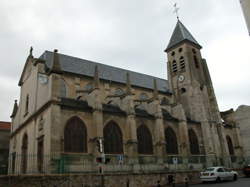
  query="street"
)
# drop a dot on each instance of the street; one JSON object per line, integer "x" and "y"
{"x": 241, "y": 182}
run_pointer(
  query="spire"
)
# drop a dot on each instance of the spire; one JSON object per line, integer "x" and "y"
{"x": 15, "y": 108}
{"x": 96, "y": 78}
{"x": 155, "y": 90}
{"x": 180, "y": 35}
{"x": 128, "y": 84}
{"x": 56, "y": 67}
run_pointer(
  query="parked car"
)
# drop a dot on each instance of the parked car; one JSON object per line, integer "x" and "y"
{"x": 218, "y": 174}
{"x": 246, "y": 170}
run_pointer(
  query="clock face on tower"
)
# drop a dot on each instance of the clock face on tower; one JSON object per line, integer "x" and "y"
{"x": 181, "y": 78}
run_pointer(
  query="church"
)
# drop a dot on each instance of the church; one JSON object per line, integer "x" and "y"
{"x": 79, "y": 116}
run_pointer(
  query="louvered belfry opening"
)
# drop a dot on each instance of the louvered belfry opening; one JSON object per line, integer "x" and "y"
{"x": 75, "y": 136}
{"x": 171, "y": 141}
{"x": 113, "y": 141}
{"x": 193, "y": 142}
{"x": 24, "y": 154}
{"x": 144, "y": 138}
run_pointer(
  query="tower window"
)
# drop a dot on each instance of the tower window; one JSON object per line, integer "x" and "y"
{"x": 182, "y": 63}
{"x": 173, "y": 53}
{"x": 174, "y": 66}
{"x": 27, "y": 105}
{"x": 196, "y": 62}
{"x": 193, "y": 50}
{"x": 183, "y": 90}
{"x": 201, "y": 87}
{"x": 180, "y": 50}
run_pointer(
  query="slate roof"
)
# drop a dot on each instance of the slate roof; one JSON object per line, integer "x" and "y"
{"x": 180, "y": 35}
{"x": 109, "y": 73}
{"x": 142, "y": 113}
{"x": 75, "y": 104}
{"x": 112, "y": 109}
{"x": 168, "y": 116}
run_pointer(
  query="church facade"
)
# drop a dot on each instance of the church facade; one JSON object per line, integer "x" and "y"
{"x": 75, "y": 115}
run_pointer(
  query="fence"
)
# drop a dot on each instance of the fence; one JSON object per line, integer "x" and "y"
{"x": 85, "y": 163}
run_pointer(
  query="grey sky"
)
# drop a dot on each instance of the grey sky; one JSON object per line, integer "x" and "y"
{"x": 128, "y": 34}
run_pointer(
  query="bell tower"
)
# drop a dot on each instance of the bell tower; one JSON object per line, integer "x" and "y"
{"x": 184, "y": 60}
{"x": 190, "y": 82}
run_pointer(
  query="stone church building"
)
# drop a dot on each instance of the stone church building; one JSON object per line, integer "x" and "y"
{"x": 76, "y": 115}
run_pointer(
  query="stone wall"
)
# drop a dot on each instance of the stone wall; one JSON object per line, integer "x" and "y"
{"x": 92, "y": 180}
{"x": 4, "y": 150}
{"x": 242, "y": 118}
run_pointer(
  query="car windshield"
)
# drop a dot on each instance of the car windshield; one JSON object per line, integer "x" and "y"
{"x": 209, "y": 169}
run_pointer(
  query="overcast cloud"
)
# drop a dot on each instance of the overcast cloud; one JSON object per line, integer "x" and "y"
{"x": 128, "y": 34}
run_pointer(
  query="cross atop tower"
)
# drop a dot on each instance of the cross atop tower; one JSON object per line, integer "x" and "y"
{"x": 176, "y": 10}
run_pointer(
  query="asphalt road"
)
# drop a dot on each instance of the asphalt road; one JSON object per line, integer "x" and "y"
{"x": 241, "y": 182}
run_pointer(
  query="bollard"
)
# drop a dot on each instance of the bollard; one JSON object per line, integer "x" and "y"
{"x": 173, "y": 184}
{"x": 158, "y": 184}
{"x": 127, "y": 184}
{"x": 170, "y": 179}
{"x": 186, "y": 182}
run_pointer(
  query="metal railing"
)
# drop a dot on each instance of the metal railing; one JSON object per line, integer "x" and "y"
{"x": 85, "y": 163}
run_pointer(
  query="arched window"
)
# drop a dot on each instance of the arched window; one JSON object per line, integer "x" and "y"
{"x": 119, "y": 92}
{"x": 113, "y": 142}
{"x": 75, "y": 136}
{"x": 230, "y": 145}
{"x": 182, "y": 63}
{"x": 143, "y": 96}
{"x": 63, "y": 88}
{"x": 193, "y": 142}
{"x": 230, "y": 148}
{"x": 144, "y": 138}
{"x": 24, "y": 154}
{"x": 171, "y": 141}
{"x": 174, "y": 66}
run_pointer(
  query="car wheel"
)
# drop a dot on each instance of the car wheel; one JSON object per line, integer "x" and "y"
{"x": 235, "y": 177}
{"x": 218, "y": 180}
